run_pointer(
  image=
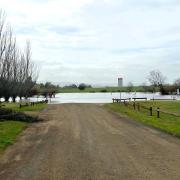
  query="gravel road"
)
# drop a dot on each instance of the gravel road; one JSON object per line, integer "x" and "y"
{"x": 89, "y": 142}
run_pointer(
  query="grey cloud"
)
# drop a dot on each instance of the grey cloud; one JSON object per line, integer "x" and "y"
{"x": 127, "y": 43}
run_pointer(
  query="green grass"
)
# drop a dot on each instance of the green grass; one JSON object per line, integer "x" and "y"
{"x": 166, "y": 123}
{"x": 101, "y": 89}
{"x": 15, "y": 106}
{"x": 169, "y": 106}
{"x": 9, "y": 130}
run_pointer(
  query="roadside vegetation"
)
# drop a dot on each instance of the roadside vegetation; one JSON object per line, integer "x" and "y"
{"x": 9, "y": 130}
{"x": 44, "y": 89}
{"x": 16, "y": 107}
{"x": 13, "y": 120}
{"x": 167, "y": 122}
{"x": 18, "y": 75}
{"x": 169, "y": 106}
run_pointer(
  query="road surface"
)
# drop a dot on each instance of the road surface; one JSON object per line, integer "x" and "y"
{"x": 89, "y": 142}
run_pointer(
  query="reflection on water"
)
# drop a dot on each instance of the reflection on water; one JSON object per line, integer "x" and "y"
{"x": 100, "y": 97}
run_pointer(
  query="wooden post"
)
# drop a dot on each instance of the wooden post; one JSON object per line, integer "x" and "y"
{"x": 134, "y": 105}
{"x": 158, "y": 113}
{"x": 150, "y": 109}
{"x": 20, "y": 106}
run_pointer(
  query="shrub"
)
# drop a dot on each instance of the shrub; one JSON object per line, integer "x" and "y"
{"x": 8, "y": 114}
{"x": 82, "y": 86}
{"x": 103, "y": 90}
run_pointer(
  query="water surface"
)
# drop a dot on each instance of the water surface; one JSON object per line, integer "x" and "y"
{"x": 100, "y": 97}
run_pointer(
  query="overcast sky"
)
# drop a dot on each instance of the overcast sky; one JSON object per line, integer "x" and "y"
{"x": 96, "y": 41}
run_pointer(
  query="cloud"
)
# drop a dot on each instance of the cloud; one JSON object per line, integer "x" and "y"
{"x": 96, "y": 41}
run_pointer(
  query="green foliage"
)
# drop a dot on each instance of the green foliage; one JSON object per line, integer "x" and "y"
{"x": 82, "y": 86}
{"x": 47, "y": 90}
{"x": 100, "y": 89}
{"x": 15, "y": 107}
{"x": 104, "y": 90}
{"x": 9, "y": 131}
{"x": 15, "y": 122}
{"x": 12, "y": 111}
{"x": 167, "y": 123}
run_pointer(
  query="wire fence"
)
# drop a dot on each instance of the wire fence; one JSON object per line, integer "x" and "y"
{"x": 149, "y": 110}
{"x": 32, "y": 103}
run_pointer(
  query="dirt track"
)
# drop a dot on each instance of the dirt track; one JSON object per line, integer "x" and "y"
{"x": 88, "y": 142}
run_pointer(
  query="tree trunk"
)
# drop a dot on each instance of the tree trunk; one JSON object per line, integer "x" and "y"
{"x": 162, "y": 90}
{"x": 14, "y": 99}
{"x": 6, "y": 99}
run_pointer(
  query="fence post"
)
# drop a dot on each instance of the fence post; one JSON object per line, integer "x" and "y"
{"x": 158, "y": 113}
{"x": 134, "y": 105}
{"x": 150, "y": 109}
{"x": 20, "y": 106}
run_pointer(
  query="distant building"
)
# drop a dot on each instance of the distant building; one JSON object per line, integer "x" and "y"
{"x": 120, "y": 82}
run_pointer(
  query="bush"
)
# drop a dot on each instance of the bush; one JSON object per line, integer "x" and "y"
{"x": 103, "y": 90}
{"x": 82, "y": 86}
{"x": 168, "y": 90}
{"x": 8, "y": 114}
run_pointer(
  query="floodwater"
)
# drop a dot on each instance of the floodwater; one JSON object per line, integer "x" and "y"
{"x": 100, "y": 97}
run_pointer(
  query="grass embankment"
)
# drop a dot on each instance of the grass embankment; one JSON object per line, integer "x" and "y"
{"x": 166, "y": 123}
{"x": 101, "y": 89}
{"x": 9, "y": 130}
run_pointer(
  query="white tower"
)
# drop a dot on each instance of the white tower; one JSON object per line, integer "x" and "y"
{"x": 120, "y": 82}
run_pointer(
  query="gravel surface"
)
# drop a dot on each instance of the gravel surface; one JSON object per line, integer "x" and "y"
{"x": 89, "y": 142}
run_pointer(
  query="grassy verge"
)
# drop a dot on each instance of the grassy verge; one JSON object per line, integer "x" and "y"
{"x": 15, "y": 106}
{"x": 169, "y": 106}
{"x": 9, "y": 130}
{"x": 166, "y": 123}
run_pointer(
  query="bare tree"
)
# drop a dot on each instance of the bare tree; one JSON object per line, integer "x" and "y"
{"x": 31, "y": 72}
{"x": 156, "y": 78}
{"x": 2, "y": 47}
{"x": 177, "y": 83}
{"x": 18, "y": 73}
{"x": 7, "y": 66}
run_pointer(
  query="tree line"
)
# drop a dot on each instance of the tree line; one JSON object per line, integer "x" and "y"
{"x": 158, "y": 80}
{"x": 157, "y": 84}
{"x": 47, "y": 90}
{"x": 18, "y": 73}
{"x": 81, "y": 86}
